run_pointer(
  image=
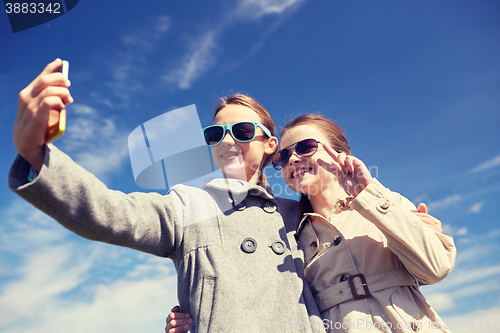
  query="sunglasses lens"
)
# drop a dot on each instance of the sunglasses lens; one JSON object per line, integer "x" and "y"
{"x": 280, "y": 159}
{"x": 244, "y": 131}
{"x": 303, "y": 148}
{"x": 306, "y": 147}
{"x": 213, "y": 135}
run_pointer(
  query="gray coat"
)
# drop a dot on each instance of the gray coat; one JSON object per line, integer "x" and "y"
{"x": 225, "y": 280}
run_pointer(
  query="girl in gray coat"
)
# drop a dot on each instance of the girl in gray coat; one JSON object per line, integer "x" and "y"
{"x": 232, "y": 242}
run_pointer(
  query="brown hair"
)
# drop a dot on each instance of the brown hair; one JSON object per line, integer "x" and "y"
{"x": 266, "y": 120}
{"x": 335, "y": 136}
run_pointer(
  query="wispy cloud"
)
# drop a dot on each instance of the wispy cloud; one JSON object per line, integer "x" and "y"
{"x": 60, "y": 281}
{"x": 201, "y": 55}
{"x": 95, "y": 142}
{"x": 474, "y": 274}
{"x": 199, "y": 58}
{"x": 445, "y": 202}
{"x": 476, "y": 208}
{"x": 255, "y": 9}
{"x": 454, "y": 231}
{"x": 440, "y": 301}
{"x": 494, "y": 162}
{"x": 477, "y": 321}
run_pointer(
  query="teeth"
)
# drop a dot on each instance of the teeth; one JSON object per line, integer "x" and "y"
{"x": 299, "y": 172}
{"x": 229, "y": 155}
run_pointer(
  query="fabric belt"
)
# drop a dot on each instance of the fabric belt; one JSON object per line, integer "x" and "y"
{"x": 358, "y": 287}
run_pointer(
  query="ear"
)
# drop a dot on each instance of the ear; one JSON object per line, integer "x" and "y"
{"x": 271, "y": 145}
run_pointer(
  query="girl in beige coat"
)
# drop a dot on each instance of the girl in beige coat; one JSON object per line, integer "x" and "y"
{"x": 366, "y": 252}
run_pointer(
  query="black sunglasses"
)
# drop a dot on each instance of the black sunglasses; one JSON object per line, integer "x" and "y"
{"x": 303, "y": 148}
{"x": 244, "y": 131}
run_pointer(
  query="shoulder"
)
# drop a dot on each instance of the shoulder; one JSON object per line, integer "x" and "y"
{"x": 192, "y": 204}
{"x": 289, "y": 210}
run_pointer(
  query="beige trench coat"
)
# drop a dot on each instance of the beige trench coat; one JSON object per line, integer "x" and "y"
{"x": 377, "y": 241}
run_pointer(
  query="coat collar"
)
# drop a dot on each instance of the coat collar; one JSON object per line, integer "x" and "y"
{"x": 340, "y": 206}
{"x": 237, "y": 190}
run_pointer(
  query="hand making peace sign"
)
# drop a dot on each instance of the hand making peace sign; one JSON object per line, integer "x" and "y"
{"x": 352, "y": 173}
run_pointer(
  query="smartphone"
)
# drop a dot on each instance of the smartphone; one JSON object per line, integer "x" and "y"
{"x": 57, "y": 118}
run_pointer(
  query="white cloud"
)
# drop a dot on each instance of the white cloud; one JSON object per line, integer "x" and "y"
{"x": 454, "y": 231}
{"x": 477, "y": 321}
{"x": 494, "y": 162}
{"x": 443, "y": 203}
{"x": 95, "y": 142}
{"x": 60, "y": 282}
{"x": 440, "y": 301}
{"x": 476, "y": 208}
{"x": 255, "y": 9}
{"x": 476, "y": 276}
{"x": 201, "y": 54}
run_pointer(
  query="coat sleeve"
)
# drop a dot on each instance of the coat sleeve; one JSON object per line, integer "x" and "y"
{"x": 83, "y": 204}
{"x": 426, "y": 253}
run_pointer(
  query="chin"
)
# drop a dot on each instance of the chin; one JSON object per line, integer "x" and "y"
{"x": 234, "y": 170}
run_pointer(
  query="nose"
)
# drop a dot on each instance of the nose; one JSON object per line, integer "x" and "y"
{"x": 294, "y": 158}
{"x": 227, "y": 139}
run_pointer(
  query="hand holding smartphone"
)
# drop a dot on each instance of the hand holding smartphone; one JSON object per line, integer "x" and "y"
{"x": 57, "y": 118}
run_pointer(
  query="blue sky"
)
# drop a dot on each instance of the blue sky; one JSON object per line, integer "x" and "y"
{"x": 415, "y": 85}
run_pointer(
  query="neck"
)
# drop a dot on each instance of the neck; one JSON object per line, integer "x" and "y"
{"x": 252, "y": 178}
{"x": 323, "y": 203}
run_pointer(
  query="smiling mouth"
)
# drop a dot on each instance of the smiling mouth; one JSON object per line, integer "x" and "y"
{"x": 229, "y": 155}
{"x": 300, "y": 172}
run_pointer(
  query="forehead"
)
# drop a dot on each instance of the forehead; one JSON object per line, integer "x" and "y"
{"x": 234, "y": 113}
{"x": 300, "y": 133}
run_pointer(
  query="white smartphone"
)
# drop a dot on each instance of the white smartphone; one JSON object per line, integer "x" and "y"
{"x": 57, "y": 118}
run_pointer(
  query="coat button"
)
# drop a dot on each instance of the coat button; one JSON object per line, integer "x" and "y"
{"x": 337, "y": 240}
{"x": 415, "y": 327}
{"x": 344, "y": 277}
{"x": 314, "y": 245}
{"x": 249, "y": 245}
{"x": 383, "y": 206}
{"x": 269, "y": 207}
{"x": 278, "y": 247}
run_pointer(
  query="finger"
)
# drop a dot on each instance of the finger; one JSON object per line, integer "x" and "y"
{"x": 430, "y": 221}
{"x": 61, "y": 92}
{"x": 46, "y": 80}
{"x": 48, "y": 104}
{"x": 332, "y": 152}
{"x": 52, "y": 66}
{"x": 177, "y": 329}
{"x": 179, "y": 315}
{"x": 350, "y": 163}
{"x": 422, "y": 208}
{"x": 342, "y": 160}
{"x": 176, "y": 309}
{"x": 332, "y": 167}
{"x": 178, "y": 326}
